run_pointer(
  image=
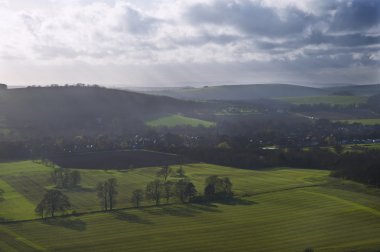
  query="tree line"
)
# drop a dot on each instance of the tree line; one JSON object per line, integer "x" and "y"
{"x": 163, "y": 188}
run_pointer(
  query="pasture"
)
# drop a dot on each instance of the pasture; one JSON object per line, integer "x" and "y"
{"x": 280, "y": 209}
{"x": 25, "y": 182}
{"x": 370, "y": 121}
{"x": 179, "y": 120}
{"x": 330, "y": 99}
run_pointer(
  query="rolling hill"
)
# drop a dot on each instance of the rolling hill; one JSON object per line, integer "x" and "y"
{"x": 360, "y": 90}
{"x": 61, "y": 109}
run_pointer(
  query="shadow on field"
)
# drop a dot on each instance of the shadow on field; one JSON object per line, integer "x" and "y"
{"x": 209, "y": 207}
{"x": 130, "y": 218}
{"x": 80, "y": 189}
{"x": 186, "y": 210}
{"x": 76, "y": 224}
{"x": 182, "y": 211}
{"x": 237, "y": 201}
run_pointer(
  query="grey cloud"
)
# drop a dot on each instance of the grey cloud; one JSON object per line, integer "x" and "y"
{"x": 349, "y": 40}
{"x": 133, "y": 21}
{"x": 318, "y": 38}
{"x": 356, "y": 15}
{"x": 311, "y": 61}
{"x": 250, "y": 17}
{"x": 205, "y": 38}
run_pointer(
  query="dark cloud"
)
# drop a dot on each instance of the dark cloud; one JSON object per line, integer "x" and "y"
{"x": 349, "y": 40}
{"x": 319, "y": 38}
{"x": 250, "y": 17}
{"x": 317, "y": 62}
{"x": 206, "y": 38}
{"x": 133, "y": 21}
{"x": 356, "y": 15}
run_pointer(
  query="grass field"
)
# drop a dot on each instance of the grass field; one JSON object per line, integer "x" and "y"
{"x": 372, "y": 121}
{"x": 278, "y": 210}
{"x": 331, "y": 99}
{"x": 24, "y": 183}
{"x": 179, "y": 120}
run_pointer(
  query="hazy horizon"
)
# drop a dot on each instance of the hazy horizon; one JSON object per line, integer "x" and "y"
{"x": 139, "y": 43}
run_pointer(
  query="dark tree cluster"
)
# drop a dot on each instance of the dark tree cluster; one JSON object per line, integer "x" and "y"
{"x": 53, "y": 201}
{"x": 181, "y": 189}
{"x": 106, "y": 192}
{"x": 361, "y": 167}
{"x": 218, "y": 188}
{"x": 65, "y": 178}
{"x": 316, "y": 158}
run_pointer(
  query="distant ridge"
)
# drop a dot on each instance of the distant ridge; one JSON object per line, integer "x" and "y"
{"x": 259, "y": 91}
{"x": 241, "y": 92}
{"x": 370, "y": 89}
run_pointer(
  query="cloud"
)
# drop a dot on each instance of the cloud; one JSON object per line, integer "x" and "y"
{"x": 356, "y": 15}
{"x": 251, "y": 17}
{"x": 274, "y": 38}
{"x": 134, "y": 21}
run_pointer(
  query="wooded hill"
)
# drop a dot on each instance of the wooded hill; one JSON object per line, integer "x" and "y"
{"x": 62, "y": 109}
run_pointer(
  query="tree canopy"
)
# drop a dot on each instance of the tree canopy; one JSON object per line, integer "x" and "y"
{"x": 53, "y": 201}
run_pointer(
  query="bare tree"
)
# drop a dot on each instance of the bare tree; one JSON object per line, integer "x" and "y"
{"x": 164, "y": 172}
{"x": 137, "y": 197}
{"x": 185, "y": 190}
{"x": 190, "y": 191}
{"x": 153, "y": 191}
{"x": 112, "y": 192}
{"x": 102, "y": 192}
{"x": 65, "y": 178}
{"x": 169, "y": 190}
{"x": 218, "y": 188}
{"x": 107, "y": 192}
{"x": 52, "y": 202}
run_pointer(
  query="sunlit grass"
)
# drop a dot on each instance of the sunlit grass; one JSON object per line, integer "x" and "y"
{"x": 179, "y": 120}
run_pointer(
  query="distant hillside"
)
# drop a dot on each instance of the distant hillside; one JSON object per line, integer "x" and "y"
{"x": 365, "y": 90}
{"x": 241, "y": 92}
{"x": 61, "y": 109}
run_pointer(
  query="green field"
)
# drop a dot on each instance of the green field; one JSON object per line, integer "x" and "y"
{"x": 331, "y": 99}
{"x": 24, "y": 183}
{"x": 178, "y": 120}
{"x": 360, "y": 147}
{"x": 280, "y": 209}
{"x": 372, "y": 121}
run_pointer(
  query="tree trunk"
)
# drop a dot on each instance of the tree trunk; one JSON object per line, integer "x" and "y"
{"x": 110, "y": 202}
{"x": 105, "y": 203}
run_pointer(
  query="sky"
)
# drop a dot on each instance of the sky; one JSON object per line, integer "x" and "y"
{"x": 189, "y": 42}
